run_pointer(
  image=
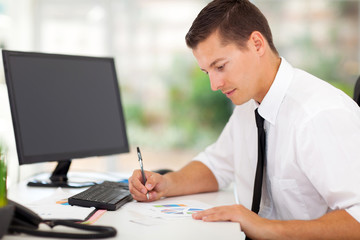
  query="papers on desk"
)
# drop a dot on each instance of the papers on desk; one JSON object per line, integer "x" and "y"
{"x": 55, "y": 207}
{"x": 160, "y": 212}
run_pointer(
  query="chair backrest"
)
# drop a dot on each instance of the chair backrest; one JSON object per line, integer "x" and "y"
{"x": 357, "y": 91}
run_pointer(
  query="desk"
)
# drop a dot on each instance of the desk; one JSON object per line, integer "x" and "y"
{"x": 126, "y": 230}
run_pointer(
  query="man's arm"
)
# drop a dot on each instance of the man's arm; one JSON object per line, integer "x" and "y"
{"x": 195, "y": 177}
{"x": 334, "y": 225}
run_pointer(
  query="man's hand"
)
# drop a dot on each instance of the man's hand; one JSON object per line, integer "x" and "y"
{"x": 155, "y": 186}
{"x": 333, "y": 225}
{"x": 195, "y": 177}
{"x": 249, "y": 221}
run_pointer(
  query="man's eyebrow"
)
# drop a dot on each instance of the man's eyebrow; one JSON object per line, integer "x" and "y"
{"x": 216, "y": 61}
{"x": 213, "y": 63}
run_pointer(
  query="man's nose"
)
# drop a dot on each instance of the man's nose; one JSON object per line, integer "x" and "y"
{"x": 216, "y": 82}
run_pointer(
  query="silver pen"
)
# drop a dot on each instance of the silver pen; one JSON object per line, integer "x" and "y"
{"x": 142, "y": 169}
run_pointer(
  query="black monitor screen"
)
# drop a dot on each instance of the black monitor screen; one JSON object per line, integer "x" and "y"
{"x": 63, "y": 106}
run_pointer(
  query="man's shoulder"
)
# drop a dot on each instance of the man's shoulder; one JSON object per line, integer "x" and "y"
{"x": 312, "y": 90}
{"x": 311, "y": 95}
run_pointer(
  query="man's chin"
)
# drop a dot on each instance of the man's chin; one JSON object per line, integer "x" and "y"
{"x": 238, "y": 101}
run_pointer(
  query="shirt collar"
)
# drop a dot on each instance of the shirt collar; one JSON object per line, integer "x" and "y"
{"x": 270, "y": 105}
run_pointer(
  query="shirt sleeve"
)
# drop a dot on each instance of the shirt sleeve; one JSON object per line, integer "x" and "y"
{"x": 218, "y": 157}
{"x": 329, "y": 155}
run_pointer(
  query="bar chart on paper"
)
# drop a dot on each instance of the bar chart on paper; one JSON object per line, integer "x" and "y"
{"x": 159, "y": 212}
{"x": 177, "y": 209}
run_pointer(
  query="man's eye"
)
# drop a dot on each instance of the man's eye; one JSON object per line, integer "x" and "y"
{"x": 219, "y": 68}
{"x": 205, "y": 72}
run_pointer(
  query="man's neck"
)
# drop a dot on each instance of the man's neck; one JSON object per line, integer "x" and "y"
{"x": 271, "y": 65}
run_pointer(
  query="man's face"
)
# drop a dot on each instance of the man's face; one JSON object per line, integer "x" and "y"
{"x": 233, "y": 71}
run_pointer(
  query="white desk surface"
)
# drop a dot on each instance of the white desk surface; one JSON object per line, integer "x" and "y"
{"x": 126, "y": 230}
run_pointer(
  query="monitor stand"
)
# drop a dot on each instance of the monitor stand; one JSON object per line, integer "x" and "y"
{"x": 59, "y": 178}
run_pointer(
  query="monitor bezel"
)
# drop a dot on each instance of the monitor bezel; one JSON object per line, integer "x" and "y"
{"x": 30, "y": 159}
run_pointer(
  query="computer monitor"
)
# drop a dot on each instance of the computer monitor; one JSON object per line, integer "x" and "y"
{"x": 64, "y": 107}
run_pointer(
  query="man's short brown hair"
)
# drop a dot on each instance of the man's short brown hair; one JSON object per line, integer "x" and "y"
{"x": 234, "y": 19}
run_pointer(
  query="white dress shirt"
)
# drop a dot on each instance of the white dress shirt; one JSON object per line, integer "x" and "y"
{"x": 313, "y": 149}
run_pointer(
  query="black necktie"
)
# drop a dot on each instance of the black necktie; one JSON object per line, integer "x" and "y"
{"x": 260, "y": 164}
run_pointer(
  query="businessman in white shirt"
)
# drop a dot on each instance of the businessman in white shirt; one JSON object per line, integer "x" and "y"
{"x": 311, "y": 177}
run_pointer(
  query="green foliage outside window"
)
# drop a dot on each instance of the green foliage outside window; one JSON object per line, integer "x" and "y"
{"x": 197, "y": 110}
{"x": 191, "y": 118}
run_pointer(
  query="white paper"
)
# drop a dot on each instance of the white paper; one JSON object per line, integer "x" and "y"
{"x": 159, "y": 212}
{"x": 48, "y": 208}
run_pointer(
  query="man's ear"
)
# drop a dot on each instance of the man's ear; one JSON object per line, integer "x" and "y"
{"x": 257, "y": 41}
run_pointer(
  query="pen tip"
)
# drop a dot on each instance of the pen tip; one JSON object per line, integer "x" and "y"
{"x": 138, "y": 149}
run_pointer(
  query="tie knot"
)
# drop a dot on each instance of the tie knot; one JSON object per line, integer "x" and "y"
{"x": 259, "y": 119}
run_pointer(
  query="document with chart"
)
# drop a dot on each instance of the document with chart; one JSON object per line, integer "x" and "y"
{"x": 160, "y": 211}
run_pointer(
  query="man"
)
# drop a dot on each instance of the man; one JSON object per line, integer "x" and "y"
{"x": 312, "y": 169}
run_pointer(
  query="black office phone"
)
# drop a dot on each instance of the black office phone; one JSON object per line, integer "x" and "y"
{"x": 24, "y": 216}
{"x": 26, "y": 221}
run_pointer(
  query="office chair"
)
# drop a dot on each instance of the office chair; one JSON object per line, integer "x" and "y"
{"x": 163, "y": 171}
{"x": 357, "y": 91}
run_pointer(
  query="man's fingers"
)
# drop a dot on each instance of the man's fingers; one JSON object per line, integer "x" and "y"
{"x": 211, "y": 217}
{"x": 138, "y": 196}
{"x": 152, "y": 180}
{"x": 223, "y": 213}
{"x": 137, "y": 189}
{"x": 135, "y": 182}
{"x": 151, "y": 191}
{"x": 201, "y": 215}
